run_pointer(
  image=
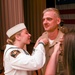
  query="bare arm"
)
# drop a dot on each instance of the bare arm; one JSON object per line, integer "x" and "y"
{"x": 52, "y": 64}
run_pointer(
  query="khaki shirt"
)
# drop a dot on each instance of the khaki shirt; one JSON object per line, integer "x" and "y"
{"x": 49, "y": 51}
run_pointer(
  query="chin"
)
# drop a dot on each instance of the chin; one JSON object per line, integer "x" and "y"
{"x": 46, "y": 28}
{"x": 28, "y": 43}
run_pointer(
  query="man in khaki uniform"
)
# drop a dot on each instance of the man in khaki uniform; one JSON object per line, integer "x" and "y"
{"x": 51, "y": 22}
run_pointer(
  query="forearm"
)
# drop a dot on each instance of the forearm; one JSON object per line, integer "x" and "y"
{"x": 52, "y": 64}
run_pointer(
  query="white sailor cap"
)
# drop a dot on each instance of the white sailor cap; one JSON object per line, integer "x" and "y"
{"x": 15, "y": 29}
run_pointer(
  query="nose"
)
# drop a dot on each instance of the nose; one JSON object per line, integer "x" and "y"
{"x": 29, "y": 34}
{"x": 44, "y": 21}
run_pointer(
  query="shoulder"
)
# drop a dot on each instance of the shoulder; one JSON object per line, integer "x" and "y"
{"x": 12, "y": 51}
{"x": 15, "y": 53}
{"x": 44, "y": 35}
{"x": 60, "y": 33}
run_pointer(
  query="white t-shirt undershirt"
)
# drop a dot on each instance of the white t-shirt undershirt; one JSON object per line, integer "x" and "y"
{"x": 51, "y": 41}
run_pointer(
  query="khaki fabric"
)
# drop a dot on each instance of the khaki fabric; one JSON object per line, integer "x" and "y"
{"x": 49, "y": 50}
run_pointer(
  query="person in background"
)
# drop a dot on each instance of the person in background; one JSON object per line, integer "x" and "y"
{"x": 68, "y": 55}
{"x": 17, "y": 60}
{"x": 69, "y": 52}
{"x": 51, "y": 21}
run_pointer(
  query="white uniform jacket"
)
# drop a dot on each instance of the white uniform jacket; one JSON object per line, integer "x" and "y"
{"x": 23, "y": 61}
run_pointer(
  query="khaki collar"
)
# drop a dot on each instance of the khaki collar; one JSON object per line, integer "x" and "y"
{"x": 60, "y": 34}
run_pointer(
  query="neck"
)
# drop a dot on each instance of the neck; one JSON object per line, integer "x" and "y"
{"x": 22, "y": 46}
{"x": 52, "y": 35}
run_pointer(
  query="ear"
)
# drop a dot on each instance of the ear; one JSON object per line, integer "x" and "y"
{"x": 17, "y": 37}
{"x": 58, "y": 20}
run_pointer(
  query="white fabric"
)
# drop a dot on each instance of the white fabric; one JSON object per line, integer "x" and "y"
{"x": 23, "y": 62}
{"x": 15, "y": 29}
{"x": 51, "y": 41}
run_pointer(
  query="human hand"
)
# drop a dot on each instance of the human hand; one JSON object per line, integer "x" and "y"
{"x": 44, "y": 40}
{"x": 57, "y": 48}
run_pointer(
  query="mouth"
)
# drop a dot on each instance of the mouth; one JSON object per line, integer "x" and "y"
{"x": 46, "y": 25}
{"x": 29, "y": 39}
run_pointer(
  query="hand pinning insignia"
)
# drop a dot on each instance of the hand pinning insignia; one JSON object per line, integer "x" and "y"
{"x": 15, "y": 53}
